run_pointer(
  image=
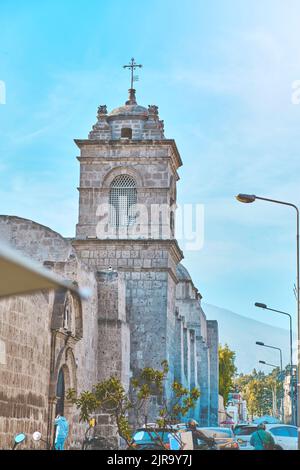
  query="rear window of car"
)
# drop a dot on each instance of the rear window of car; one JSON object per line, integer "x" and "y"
{"x": 217, "y": 432}
{"x": 293, "y": 431}
{"x": 245, "y": 430}
{"x": 280, "y": 431}
{"x": 149, "y": 436}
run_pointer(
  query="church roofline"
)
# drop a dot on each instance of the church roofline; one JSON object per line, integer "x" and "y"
{"x": 184, "y": 277}
{"x": 19, "y": 219}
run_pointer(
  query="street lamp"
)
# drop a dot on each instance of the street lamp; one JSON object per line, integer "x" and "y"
{"x": 268, "y": 364}
{"x": 265, "y": 307}
{"x": 248, "y": 198}
{"x": 273, "y": 392}
{"x": 260, "y": 343}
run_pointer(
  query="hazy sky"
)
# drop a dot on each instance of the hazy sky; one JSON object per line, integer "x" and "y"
{"x": 221, "y": 73}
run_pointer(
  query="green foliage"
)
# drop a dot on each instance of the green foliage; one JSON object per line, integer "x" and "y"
{"x": 259, "y": 390}
{"x": 110, "y": 397}
{"x": 87, "y": 403}
{"x": 227, "y": 371}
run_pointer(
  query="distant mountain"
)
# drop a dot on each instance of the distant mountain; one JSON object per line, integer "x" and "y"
{"x": 241, "y": 333}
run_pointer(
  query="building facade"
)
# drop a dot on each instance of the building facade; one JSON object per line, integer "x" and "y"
{"x": 143, "y": 306}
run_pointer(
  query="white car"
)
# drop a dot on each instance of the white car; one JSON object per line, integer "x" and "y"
{"x": 284, "y": 435}
{"x": 243, "y": 433}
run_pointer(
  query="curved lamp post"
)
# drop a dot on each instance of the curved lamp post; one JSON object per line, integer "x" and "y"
{"x": 268, "y": 364}
{"x": 249, "y": 198}
{"x": 260, "y": 343}
{"x": 273, "y": 392}
{"x": 265, "y": 307}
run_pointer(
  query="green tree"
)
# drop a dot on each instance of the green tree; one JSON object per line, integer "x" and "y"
{"x": 227, "y": 371}
{"x": 110, "y": 397}
{"x": 259, "y": 390}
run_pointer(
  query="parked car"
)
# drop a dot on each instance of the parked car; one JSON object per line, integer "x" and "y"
{"x": 224, "y": 438}
{"x": 170, "y": 438}
{"x": 153, "y": 439}
{"x": 243, "y": 433}
{"x": 285, "y": 436}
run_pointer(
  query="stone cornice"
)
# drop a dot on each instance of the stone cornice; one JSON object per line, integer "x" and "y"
{"x": 106, "y": 190}
{"x": 118, "y": 158}
{"x": 172, "y": 245}
{"x": 132, "y": 143}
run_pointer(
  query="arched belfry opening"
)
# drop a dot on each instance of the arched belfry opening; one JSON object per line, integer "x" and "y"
{"x": 122, "y": 199}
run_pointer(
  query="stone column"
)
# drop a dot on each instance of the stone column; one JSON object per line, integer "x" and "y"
{"x": 213, "y": 344}
{"x": 203, "y": 378}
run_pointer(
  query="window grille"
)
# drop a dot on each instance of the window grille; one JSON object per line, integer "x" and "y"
{"x": 122, "y": 198}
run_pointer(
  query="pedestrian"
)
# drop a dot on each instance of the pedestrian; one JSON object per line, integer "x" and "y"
{"x": 262, "y": 439}
{"x": 62, "y": 431}
{"x": 200, "y": 440}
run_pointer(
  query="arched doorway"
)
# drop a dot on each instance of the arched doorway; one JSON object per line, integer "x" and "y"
{"x": 60, "y": 393}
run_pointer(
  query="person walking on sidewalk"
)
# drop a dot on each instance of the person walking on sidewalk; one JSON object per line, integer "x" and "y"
{"x": 62, "y": 431}
{"x": 262, "y": 439}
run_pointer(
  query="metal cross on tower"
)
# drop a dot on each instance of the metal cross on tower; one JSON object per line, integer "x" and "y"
{"x": 133, "y": 66}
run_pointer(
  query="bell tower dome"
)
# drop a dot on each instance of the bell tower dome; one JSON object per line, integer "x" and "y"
{"x": 130, "y": 121}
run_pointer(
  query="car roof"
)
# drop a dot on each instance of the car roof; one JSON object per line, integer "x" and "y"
{"x": 245, "y": 424}
{"x": 152, "y": 429}
{"x": 213, "y": 427}
{"x": 280, "y": 425}
{"x": 216, "y": 430}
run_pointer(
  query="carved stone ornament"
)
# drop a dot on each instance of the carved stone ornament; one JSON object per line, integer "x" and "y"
{"x": 153, "y": 109}
{"x": 102, "y": 109}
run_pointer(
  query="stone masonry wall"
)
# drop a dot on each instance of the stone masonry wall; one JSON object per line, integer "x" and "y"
{"x": 148, "y": 268}
{"x": 32, "y": 350}
{"x": 113, "y": 334}
{"x": 24, "y": 367}
{"x": 151, "y": 165}
{"x": 34, "y": 240}
{"x": 86, "y": 349}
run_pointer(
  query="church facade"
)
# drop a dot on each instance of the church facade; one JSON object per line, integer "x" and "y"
{"x": 143, "y": 306}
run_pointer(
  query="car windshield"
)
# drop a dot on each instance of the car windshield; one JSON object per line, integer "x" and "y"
{"x": 244, "y": 430}
{"x": 143, "y": 436}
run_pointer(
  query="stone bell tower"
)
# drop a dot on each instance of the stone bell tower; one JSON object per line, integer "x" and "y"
{"x": 128, "y": 175}
{"x": 128, "y": 142}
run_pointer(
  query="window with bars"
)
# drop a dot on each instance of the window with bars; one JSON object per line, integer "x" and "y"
{"x": 122, "y": 198}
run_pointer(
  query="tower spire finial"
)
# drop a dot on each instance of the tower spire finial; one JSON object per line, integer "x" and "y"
{"x": 134, "y": 78}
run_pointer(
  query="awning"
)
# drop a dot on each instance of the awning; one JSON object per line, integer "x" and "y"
{"x": 21, "y": 275}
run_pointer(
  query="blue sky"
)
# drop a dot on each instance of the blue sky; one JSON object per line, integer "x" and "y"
{"x": 221, "y": 73}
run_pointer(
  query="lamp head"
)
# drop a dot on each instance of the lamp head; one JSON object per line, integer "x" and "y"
{"x": 262, "y": 362}
{"x": 260, "y": 343}
{"x": 260, "y": 305}
{"x": 246, "y": 198}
